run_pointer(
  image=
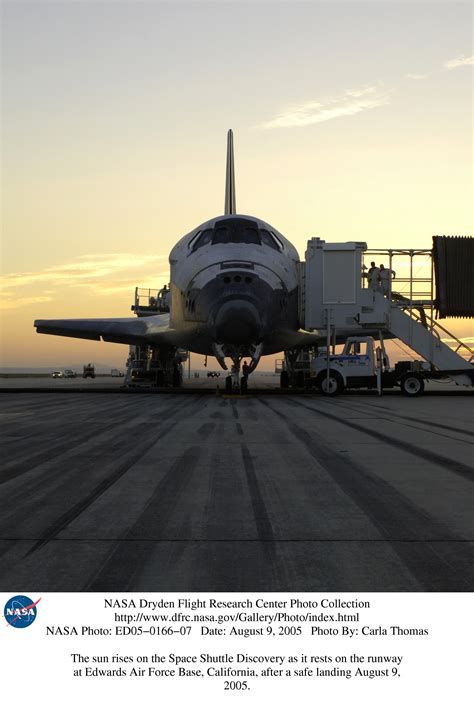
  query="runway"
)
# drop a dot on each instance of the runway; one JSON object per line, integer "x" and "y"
{"x": 199, "y": 492}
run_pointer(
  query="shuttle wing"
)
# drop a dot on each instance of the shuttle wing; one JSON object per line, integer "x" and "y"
{"x": 153, "y": 329}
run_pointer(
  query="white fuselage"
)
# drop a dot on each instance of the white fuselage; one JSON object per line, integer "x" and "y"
{"x": 234, "y": 283}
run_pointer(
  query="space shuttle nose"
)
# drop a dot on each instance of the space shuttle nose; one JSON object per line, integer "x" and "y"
{"x": 238, "y": 322}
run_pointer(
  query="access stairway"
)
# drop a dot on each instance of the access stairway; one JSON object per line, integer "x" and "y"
{"x": 425, "y": 341}
{"x": 415, "y": 328}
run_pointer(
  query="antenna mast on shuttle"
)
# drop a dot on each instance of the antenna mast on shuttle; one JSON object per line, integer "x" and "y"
{"x": 230, "y": 208}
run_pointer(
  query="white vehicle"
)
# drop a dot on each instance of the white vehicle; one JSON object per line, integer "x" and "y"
{"x": 116, "y": 373}
{"x": 362, "y": 365}
{"x": 69, "y": 373}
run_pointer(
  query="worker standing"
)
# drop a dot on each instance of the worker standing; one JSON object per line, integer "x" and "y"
{"x": 386, "y": 276}
{"x": 373, "y": 276}
{"x": 165, "y": 298}
{"x": 235, "y": 373}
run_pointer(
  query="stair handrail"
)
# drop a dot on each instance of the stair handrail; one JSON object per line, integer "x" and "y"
{"x": 435, "y": 326}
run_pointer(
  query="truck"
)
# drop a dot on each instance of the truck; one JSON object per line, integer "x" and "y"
{"x": 363, "y": 365}
{"x": 88, "y": 371}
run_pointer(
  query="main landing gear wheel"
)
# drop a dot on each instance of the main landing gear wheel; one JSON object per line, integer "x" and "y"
{"x": 176, "y": 382}
{"x": 284, "y": 379}
{"x": 332, "y": 386}
{"x": 412, "y": 385}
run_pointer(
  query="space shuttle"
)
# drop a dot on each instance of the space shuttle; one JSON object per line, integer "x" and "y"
{"x": 234, "y": 294}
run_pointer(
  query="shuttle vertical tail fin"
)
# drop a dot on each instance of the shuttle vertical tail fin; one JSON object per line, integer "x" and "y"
{"x": 230, "y": 208}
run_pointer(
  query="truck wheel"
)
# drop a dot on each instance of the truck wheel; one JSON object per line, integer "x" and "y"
{"x": 335, "y": 385}
{"x": 284, "y": 379}
{"x": 300, "y": 379}
{"x": 412, "y": 384}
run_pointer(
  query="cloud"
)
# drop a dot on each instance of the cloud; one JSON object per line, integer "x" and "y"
{"x": 460, "y": 61}
{"x": 349, "y": 103}
{"x": 417, "y": 76}
{"x": 454, "y": 343}
{"x": 359, "y": 92}
{"x": 103, "y": 274}
{"x": 9, "y": 303}
{"x": 83, "y": 270}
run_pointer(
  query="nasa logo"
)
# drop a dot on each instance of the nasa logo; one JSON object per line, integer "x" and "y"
{"x": 20, "y": 611}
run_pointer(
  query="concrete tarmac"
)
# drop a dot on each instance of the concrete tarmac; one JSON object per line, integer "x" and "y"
{"x": 162, "y": 492}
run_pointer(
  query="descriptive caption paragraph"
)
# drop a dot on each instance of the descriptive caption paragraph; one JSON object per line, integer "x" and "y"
{"x": 238, "y": 641}
{"x": 237, "y": 670}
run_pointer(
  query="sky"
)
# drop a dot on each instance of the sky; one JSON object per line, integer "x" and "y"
{"x": 352, "y": 121}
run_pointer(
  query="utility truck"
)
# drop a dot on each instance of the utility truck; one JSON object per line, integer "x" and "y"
{"x": 88, "y": 371}
{"x": 362, "y": 364}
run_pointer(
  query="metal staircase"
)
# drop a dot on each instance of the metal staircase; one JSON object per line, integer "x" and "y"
{"x": 425, "y": 340}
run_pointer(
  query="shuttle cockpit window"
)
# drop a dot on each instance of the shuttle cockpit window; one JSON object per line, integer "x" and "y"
{"x": 269, "y": 239}
{"x": 236, "y": 232}
{"x": 202, "y": 239}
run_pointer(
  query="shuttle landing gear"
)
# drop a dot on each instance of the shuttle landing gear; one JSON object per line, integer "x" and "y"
{"x": 237, "y": 382}
{"x": 233, "y": 382}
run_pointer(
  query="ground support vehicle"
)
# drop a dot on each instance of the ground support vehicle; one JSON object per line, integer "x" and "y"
{"x": 362, "y": 364}
{"x": 294, "y": 369}
{"x": 152, "y": 367}
{"x": 88, "y": 371}
{"x": 149, "y": 365}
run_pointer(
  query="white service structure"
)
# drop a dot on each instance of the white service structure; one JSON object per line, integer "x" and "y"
{"x": 334, "y": 301}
